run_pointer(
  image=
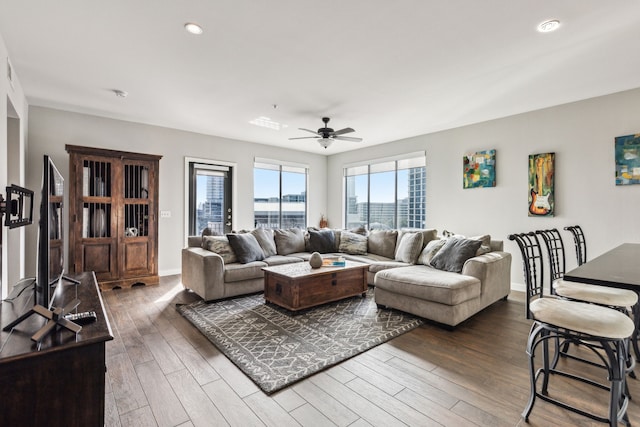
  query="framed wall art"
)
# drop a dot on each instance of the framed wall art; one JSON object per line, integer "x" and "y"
{"x": 541, "y": 184}
{"x": 627, "y": 159}
{"x": 479, "y": 169}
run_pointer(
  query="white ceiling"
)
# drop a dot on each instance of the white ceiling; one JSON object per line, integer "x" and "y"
{"x": 390, "y": 69}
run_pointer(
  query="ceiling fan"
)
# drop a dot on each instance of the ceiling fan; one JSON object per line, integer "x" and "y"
{"x": 328, "y": 135}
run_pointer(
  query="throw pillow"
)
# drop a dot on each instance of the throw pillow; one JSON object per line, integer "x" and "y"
{"x": 289, "y": 241}
{"x": 454, "y": 254}
{"x": 485, "y": 238}
{"x": 383, "y": 242}
{"x": 359, "y": 230}
{"x": 352, "y": 243}
{"x": 485, "y": 247}
{"x": 246, "y": 247}
{"x": 322, "y": 241}
{"x": 430, "y": 251}
{"x": 265, "y": 240}
{"x": 207, "y": 232}
{"x": 409, "y": 247}
{"x": 221, "y": 246}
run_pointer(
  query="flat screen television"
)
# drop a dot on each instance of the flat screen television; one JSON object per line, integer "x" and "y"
{"x": 50, "y": 234}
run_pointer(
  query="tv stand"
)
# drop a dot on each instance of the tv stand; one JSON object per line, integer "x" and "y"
{"x": 64, "y": 374}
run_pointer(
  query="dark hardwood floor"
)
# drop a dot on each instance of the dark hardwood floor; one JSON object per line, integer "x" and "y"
{"x": 162, "y": 371}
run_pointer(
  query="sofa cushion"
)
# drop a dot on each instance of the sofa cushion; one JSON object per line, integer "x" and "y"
{"x": 382, "y": 242}
{"x": 265, "y": 240}
{"x": 289, "y": 241}
{"x": 376, "y": 266}
{"x": 237, "y": 272}
{"x": 221, "y": 246}
{"x": 454, "y": 253}
{"x": 430, "y": 251}
{"x": 322, "y": 241}
{"x": 409, "y": 247}
{"x": 430, "y": 284}
{"x": 353, "y": 243}
{"x": 281, "y": 259}
{"x": 246, "y": 247}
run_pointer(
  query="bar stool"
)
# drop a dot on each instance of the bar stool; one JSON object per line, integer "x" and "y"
{"x": 602, "y": 330}
{"x": 618, "y": 299}
{"x": 580, "y": 243}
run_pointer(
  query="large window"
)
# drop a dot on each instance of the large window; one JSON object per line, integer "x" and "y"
{"x": 386, "y": 194}
{"x": 279, "y": 194}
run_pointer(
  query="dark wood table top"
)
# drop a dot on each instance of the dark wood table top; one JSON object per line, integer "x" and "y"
{"x": 619, "y": 268}
{"x": 17, "y": 343}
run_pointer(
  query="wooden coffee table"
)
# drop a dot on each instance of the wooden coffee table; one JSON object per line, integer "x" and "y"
{"x": 298, "y": 286}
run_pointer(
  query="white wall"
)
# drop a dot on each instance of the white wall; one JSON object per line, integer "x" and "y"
{"x": 13, "y": 110}
{"x": 50, "y": 130}
{"x": 582, "y": 136}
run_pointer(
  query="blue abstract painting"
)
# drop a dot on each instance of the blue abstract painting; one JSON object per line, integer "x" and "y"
{"x": 628, "y": 159}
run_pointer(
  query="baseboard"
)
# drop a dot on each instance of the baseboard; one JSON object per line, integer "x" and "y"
{"x": 169, "y": 272}
{"x": 518, "y": 287}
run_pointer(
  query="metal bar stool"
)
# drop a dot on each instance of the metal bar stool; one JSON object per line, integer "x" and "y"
{"x": 580, "y": 243}
{"x": 581, "y": 256}
{"x": 618, "y": 299}
{"x": 602, "y": 330}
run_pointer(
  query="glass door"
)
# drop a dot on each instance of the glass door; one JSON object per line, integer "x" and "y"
{"x": 209, "y": 198}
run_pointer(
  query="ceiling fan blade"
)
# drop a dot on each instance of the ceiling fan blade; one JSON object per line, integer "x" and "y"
{"x": 309, "y": 130}
{"x": 305, "y": 137}
{"x": 348, "y": 138}
{"x": 343, "y": 131}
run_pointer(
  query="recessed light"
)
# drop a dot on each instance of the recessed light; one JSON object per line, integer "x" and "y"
{"x": 549, "y": 26}
{"x": 193, "y": 28}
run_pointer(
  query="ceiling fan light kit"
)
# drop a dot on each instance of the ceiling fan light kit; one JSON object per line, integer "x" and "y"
{"x": 328, "y": 135}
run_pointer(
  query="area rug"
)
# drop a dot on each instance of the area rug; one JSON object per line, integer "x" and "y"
{"x": 276, "y": 348}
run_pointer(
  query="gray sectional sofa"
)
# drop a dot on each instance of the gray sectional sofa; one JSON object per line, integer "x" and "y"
{"x": 446, "y": 280}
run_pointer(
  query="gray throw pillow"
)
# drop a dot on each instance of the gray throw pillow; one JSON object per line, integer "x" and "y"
{"x": 289, "y": 241}
{"x": 322, "y": 241}
{"x": 409, "y": 247}
{"x": 352, "y": 243}
{"x": 265, "y": 240}
{"x": 382, "y": 242}
{"x": 454, "y": 254}
{"x": 221, "y": 246}
{"x": 246, "y": 247}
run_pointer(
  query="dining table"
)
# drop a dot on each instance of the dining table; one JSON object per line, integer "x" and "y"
{"x": 617, "y": 268}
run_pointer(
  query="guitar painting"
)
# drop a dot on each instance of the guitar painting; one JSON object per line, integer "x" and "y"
{"x": 541, "y": 181}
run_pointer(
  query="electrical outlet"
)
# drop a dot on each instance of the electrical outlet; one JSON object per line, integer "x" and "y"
{"x": 165, "y": 214}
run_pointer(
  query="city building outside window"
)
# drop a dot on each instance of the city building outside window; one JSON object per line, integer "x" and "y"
{"x": 386, "y": 194}
{"x": 279, "y": 194}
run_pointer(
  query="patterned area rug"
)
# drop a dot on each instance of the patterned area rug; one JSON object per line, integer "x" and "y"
{"x": 276, "y": 348}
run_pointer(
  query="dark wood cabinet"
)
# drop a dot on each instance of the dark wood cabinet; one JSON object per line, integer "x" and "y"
{"x": 113, "y": 215}
{"x": 60, "y": 382}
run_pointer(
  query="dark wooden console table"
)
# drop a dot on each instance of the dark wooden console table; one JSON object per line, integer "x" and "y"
{"x": 62, "y": 381}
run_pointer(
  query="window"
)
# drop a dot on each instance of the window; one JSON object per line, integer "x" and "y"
{"x": 386, "y": 194}
{"x": 279, "y": 194}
